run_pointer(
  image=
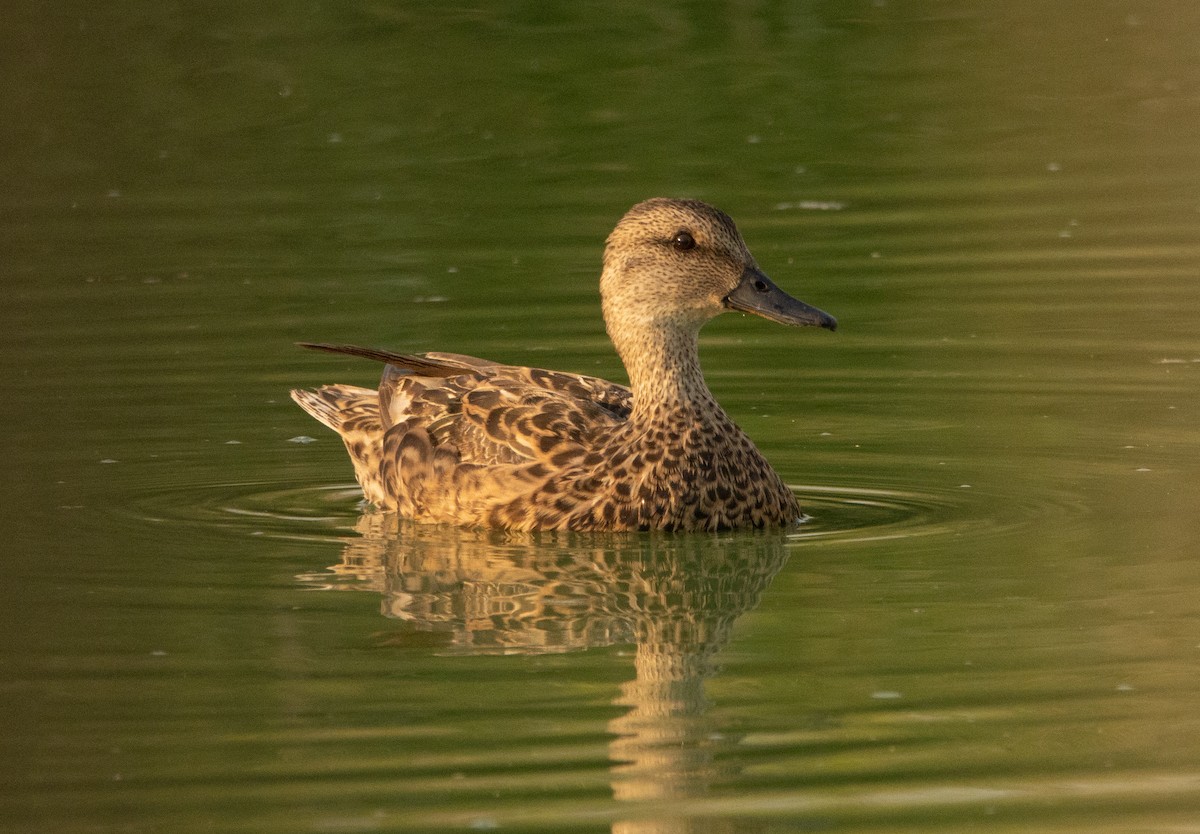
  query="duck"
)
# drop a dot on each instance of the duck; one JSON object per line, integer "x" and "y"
{"x": 454, "y": 439}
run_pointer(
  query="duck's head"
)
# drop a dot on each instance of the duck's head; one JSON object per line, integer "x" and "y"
{"x": 679, "y": 263}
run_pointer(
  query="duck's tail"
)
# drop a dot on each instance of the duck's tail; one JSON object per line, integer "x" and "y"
{"x": 353, "y": 413}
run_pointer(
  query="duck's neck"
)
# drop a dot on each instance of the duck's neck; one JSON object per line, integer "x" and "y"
{"x": 664, "y": 369}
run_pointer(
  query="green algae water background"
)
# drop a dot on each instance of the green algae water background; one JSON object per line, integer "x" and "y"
{"x": 990, "y": 621}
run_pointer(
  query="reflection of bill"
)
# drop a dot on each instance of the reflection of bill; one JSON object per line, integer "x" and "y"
{"x": 675, "y": 597}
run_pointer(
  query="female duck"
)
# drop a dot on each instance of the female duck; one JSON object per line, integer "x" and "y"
{"x": 451, "y": 438}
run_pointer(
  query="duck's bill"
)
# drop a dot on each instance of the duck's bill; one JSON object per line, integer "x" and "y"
{"x": 757, "y": 294}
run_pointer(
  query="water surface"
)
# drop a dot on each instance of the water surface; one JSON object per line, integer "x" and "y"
{"x": 990, "y": 620}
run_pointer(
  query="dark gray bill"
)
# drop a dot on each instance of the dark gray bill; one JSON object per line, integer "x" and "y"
{"x": 757, "y": 294}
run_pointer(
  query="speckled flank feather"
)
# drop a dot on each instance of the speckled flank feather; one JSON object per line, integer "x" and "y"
{"x": 451, "y": 438}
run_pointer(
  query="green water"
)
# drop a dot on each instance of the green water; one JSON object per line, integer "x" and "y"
{"x": 990, "y": 622}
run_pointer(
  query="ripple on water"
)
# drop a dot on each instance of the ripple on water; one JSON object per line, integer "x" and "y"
{"x": 858, "y": 514}
{"x": 862, "y": 514}
{"x": 835, "y": 513}
{"x": 255, "y": 508}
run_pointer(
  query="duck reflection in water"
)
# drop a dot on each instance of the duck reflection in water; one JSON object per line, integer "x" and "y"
{"x": 675, "y": 597}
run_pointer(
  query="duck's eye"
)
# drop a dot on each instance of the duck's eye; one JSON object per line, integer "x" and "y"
{"x": 683, "y": 241}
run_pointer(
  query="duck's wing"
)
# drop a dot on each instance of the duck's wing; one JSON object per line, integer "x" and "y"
{"x": 425, "y": 364}
{"x": 423, "y": 390}
{"x": 491, "y": 413}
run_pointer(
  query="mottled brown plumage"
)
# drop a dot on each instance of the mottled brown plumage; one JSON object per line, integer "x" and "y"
{"x": 451, "y": 438}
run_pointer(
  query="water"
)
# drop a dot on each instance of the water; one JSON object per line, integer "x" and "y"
{"x": 990, "y": 620}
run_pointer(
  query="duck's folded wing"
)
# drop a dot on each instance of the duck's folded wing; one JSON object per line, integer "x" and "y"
{"x": 422, "y": 387}
{"x": 492, "y": 413}
{"x": 423, "y": 364}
